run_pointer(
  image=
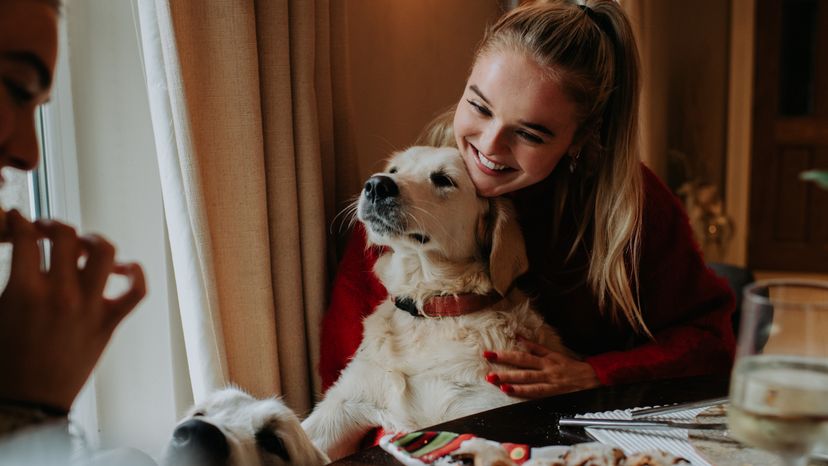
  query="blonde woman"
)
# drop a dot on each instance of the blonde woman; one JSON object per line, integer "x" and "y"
{"x": 549, "y": 118}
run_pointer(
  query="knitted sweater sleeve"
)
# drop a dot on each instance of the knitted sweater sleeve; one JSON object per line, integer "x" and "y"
{"x": 355, "y": 294}
{"x": 686, "y": 306}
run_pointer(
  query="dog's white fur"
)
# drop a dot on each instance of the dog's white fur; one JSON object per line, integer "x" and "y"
{"x": 240, "y": 416}
{"x": 413, "y": 372}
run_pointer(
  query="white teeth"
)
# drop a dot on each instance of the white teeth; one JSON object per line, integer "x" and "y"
{"x": 488, "y": 163}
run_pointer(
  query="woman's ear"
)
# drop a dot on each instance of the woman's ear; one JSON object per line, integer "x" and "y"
{"x": 507, "y": 256}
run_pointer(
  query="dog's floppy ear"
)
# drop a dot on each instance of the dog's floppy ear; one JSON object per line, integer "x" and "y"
{"x": 501, "y": 235}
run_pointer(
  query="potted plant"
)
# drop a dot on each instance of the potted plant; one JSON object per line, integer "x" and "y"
{"x": 820, "y": 177}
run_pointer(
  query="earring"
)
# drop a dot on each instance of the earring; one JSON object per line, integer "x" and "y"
{"x": 573, "y": 162}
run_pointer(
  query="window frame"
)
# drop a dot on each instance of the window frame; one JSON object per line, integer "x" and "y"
{"x": 55, "y": 193}
{"x": 59, "y": 164}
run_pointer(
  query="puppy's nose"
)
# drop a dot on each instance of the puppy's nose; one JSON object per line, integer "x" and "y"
{"x": 380, "y": 187}
{"x": 202, "y": 439}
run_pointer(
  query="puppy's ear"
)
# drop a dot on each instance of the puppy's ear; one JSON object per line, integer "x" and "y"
{"x": 501, "y": 235}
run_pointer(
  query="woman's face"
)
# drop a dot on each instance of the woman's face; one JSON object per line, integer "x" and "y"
{"x": 28, "y": 50}
{"x": 513, "y": 124}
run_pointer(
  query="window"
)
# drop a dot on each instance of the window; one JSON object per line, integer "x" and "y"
{"x": 22, "y": 191}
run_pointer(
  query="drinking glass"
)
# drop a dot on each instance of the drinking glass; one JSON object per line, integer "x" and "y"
{"x": 779, "y": 387}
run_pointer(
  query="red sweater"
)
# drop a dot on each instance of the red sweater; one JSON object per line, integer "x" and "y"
{"x": 685, "y": 305}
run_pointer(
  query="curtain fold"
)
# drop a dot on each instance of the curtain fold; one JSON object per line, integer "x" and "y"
{"x": 250, "y": 197}
{"x": 646, "y": 18}
{"x": 181, "y": 189}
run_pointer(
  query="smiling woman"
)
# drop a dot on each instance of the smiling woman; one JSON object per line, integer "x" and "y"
{"x": 55, "y": 321}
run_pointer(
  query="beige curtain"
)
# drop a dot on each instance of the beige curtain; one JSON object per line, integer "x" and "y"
{"x": 645, "y": 17}
{"x": 250, "y": 111}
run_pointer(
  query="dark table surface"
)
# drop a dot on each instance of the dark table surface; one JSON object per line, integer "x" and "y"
{"x": 535, "y": 422}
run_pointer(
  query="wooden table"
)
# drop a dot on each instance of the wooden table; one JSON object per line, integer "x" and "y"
{"x": 536, "y": 422}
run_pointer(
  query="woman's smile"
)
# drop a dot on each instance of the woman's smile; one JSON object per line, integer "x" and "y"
{"x": 489, "y": 165}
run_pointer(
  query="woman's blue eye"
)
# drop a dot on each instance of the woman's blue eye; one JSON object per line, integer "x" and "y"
{"x": 479, "y": 108}
{"x": 17, "y": 92}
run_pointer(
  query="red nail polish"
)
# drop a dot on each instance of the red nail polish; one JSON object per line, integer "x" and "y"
{"x": 493, "y": 379}
{"x": 490, "y": 356}
{"x": 506, "y": 388}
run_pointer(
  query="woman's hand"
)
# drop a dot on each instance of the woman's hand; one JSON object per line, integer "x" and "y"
{"x": 539, "y": 372}
{"x": 55, "y": 324}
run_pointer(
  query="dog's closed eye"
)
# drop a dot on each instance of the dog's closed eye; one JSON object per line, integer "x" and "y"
{"x": 270, "y": 442}
{"x": 441, "y": 180}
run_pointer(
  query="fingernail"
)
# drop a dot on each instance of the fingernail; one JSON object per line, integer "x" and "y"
{"x": 506, "y": 388}
{"x": 490, "y": 356}
{"x": 493, "y": 379}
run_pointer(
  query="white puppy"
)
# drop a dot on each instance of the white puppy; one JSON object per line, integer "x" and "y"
{"x": 449, "y": 263}
{"x": 231, "y": 428}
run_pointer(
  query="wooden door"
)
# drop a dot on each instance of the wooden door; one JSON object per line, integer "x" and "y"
{"x": 789, "y": 217}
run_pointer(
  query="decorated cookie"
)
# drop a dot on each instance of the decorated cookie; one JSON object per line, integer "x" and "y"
{"x": 422, "y": 448}
{"x": 451, "y": 449}
{"x": 482, "y": 452}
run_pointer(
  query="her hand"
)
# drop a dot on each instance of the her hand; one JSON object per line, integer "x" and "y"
{"x": 55, "y": 324}
{"x": 539, "y": 372}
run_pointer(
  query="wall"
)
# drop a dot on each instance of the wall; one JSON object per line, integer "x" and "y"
{"x": 698, "y": 60}
{"x": 120, "y": 197}
{"x": 685, "y": 49}
{"x": 697, "y": 104}
{"x": 409, "y": 61}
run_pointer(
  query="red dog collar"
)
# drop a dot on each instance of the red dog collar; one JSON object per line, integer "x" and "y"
{"x": 448, "y": 305}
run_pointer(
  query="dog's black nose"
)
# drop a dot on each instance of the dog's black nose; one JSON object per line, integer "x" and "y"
{"x": 201, "y": 439}
{"x": 380, "y": 187}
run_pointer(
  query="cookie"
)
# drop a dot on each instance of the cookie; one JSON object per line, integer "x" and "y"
{"x": 654, "y": 458}
{"x": 594, "y": 454}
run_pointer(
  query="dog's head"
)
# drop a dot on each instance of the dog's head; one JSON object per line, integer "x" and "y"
{"x": 231, "y": 428}
{"x": 425, "y": 202}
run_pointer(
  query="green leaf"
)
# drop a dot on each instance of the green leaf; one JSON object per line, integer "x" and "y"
{"x": 820, "y": 177}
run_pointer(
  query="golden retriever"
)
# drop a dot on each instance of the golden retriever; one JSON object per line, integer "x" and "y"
{"x": 231, "y": 428}
{"x": 423, "y": 365}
